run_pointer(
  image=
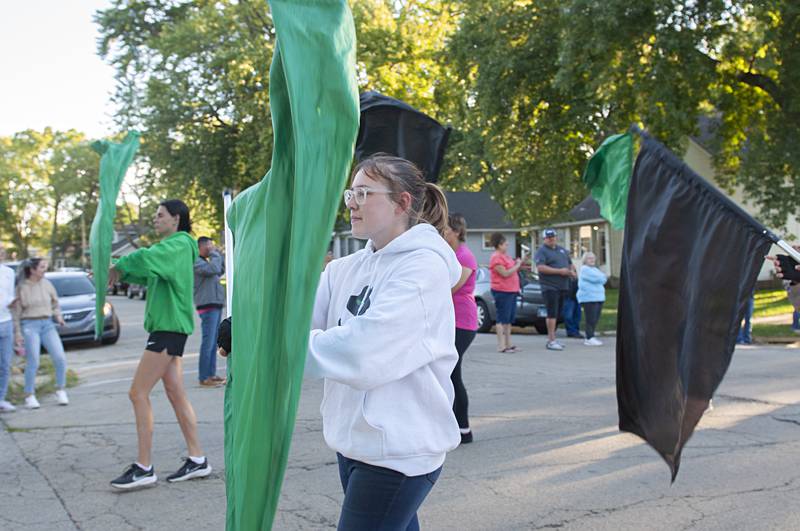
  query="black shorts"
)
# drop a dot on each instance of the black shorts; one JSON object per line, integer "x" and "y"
{"x": 172, "y": 342}
{"x": 554, "y": 302}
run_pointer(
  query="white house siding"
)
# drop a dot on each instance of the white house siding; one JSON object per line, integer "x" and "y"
{"x": 699, "y": 160}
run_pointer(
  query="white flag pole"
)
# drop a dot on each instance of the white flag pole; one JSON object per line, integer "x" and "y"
{"x": 227, "y": 199}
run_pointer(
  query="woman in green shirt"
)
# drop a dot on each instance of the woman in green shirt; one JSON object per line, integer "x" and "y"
{"x": 167, "y": 268}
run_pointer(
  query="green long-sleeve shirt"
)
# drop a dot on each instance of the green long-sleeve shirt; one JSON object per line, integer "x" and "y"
{"x": 168, "y": 270}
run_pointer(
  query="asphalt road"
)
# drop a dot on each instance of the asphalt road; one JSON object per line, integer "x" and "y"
{"x": 547, "y": 453}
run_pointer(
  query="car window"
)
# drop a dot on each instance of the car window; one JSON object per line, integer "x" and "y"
{"x": 72, "y": 286}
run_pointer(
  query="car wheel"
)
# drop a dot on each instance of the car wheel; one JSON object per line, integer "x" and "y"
{"x": 541, "y": 328}
{"x": 112, "y": 339}
{"x": 484, "y": 321}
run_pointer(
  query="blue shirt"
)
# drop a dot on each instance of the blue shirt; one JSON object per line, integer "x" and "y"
{"x": 591, "y": 284}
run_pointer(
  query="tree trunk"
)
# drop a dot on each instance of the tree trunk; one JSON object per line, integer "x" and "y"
{"x": 54, "y": 233}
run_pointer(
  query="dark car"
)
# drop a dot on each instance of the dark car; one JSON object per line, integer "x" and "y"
{"x": 77, "y": 298}
{"x": 531, "y": 310}
{"x": 119, "y": 288}
{"x": 136, "y": 290}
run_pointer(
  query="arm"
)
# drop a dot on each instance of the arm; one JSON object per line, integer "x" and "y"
{"x": 51, "y": 290}
{"x": 383, "y": 344}
{"x": 502, "y": 271}
{"x": 319, "y": 317}
{"x": 16, "y": 314}
{"x": 547, "y": 270}
{"x": 465, "y": 273}
{"x": 155, "y": 261}
{"x": 213, "y": 267}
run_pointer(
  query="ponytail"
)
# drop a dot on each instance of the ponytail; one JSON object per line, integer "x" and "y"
{"x": 434, "y": 208}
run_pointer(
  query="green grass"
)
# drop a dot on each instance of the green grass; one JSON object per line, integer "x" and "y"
{"x": 771, "y": 302}
{"x": 16, "y": 392}
{"x": 767, "y": 303}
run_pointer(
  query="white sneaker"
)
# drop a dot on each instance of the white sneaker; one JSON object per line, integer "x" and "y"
{"x": 61, "y": 397}
{"x": 6, "y": 406}
{"x": 593, "y": 342}
{"x": 31, "y": 402}
{"x": 554, "y": 345}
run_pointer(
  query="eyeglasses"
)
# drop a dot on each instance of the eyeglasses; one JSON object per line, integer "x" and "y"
{"x": 360, "y": 194}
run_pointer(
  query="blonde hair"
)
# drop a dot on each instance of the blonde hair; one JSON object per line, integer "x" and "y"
{"x": 588, "y": 254}
{"x": 428, "y": 203}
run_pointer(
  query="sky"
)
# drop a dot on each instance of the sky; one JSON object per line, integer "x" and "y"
{"x": 50, "y": 73}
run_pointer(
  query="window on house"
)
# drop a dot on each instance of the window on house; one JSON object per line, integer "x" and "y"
{"x": 487, "y": 241}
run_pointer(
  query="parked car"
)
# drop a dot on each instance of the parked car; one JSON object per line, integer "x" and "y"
{"x": 136, "y": 290}
{"x": 119, "y": 288}
{"x": 77, "y": 299}
{"x": 531, "y": 310}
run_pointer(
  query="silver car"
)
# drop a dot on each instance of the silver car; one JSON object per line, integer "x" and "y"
{"x": 531, "y": 310}
{"x": 76, "y": 297}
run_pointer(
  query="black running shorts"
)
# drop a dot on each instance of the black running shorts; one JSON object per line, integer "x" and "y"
{"x": 172, "y": 342}
{"x": 554, "y": 301}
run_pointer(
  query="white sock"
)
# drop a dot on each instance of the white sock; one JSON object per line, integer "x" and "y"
{"x": 197, "y": 460}
{"x": 465, "y": 430}
{"x": 145, "y": 468}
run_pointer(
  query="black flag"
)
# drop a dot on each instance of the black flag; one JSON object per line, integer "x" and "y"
{"x": 690, "y": 262}
{"x": 394, "y": 127}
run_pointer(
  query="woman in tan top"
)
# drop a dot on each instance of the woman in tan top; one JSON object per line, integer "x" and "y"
{"x": 36, "y": 312}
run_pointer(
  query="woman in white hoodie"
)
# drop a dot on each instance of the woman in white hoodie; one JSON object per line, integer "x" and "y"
{"x": 383, "y": 340}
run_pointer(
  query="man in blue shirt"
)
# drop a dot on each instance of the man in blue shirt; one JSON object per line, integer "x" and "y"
{"x": 555, "y": 271}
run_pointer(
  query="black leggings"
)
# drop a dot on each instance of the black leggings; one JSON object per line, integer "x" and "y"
{"x": 592, "y": 312}
{"x": 460, "y": 404}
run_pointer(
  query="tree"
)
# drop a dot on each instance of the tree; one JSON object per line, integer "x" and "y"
{"x": 193, "y": 77}
{"x": 43, "y": 175}
{"x": 546, "y": 81}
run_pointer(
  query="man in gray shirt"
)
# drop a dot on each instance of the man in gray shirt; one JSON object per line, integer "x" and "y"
{"x": 555, "y": 270}
{"x": 209, "y": 298}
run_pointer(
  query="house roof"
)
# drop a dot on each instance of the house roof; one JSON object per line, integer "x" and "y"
{"x": 479, "y": 209}
{"x": 585, "y": 210}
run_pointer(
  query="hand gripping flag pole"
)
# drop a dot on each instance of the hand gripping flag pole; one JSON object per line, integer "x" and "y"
{"x": 227, "y": 199}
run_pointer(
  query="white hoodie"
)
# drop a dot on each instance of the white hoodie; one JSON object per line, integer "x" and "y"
{"x": 388, "y": 397}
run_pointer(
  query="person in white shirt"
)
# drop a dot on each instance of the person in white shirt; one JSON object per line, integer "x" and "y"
{"x": 6, "y": 330}
{"x": 383, "y": 335}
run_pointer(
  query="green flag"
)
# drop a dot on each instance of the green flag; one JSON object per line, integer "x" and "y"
{"x": 608, "y": 176}
{"x": 114, "y": 162}
{"x": 281, "y": 228}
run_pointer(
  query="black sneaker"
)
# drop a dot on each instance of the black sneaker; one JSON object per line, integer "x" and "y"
{"x": 190, "y": 470}
{"x": 466, "y": 438}
{"x": 135, "y": 476}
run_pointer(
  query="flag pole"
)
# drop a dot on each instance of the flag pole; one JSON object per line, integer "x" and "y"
{"x": 227, "y": 199}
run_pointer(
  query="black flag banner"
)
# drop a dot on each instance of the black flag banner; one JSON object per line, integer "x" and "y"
{"x": 690, "y": 261}
{"x": 395, "y": 127}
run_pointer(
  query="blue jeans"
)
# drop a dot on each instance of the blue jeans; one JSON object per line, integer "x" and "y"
{"x": 744, "y": 330}
{"x": 380, "y": 499}
{"x": 6, "y": 353}
{"x": 38, "y": 332}
{"x": 209, "y": 322}
{"x": 795, "y": 320}
{"x": 572, "y": 316}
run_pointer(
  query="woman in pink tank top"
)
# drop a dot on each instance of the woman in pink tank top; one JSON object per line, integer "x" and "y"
{"x": 466, "y": 315}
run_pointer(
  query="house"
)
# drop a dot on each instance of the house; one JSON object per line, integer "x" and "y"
{"x": 484, "y": 217}
{"x": 585, "y": 230}
{"x": 125, "y": 240}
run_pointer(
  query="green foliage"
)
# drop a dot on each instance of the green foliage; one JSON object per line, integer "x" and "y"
{"x": 44, "y": 176}
{"x": 546, "y": 81}
{"x": 530, "y": 87}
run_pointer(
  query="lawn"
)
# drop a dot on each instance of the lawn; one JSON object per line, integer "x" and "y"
{"x": 767, "y": 303}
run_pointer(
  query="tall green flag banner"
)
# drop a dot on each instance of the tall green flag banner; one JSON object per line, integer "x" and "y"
{"x": 608, "y": 176}
{"x": 281, "y": 230}
{"x": 114, "y": 162}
